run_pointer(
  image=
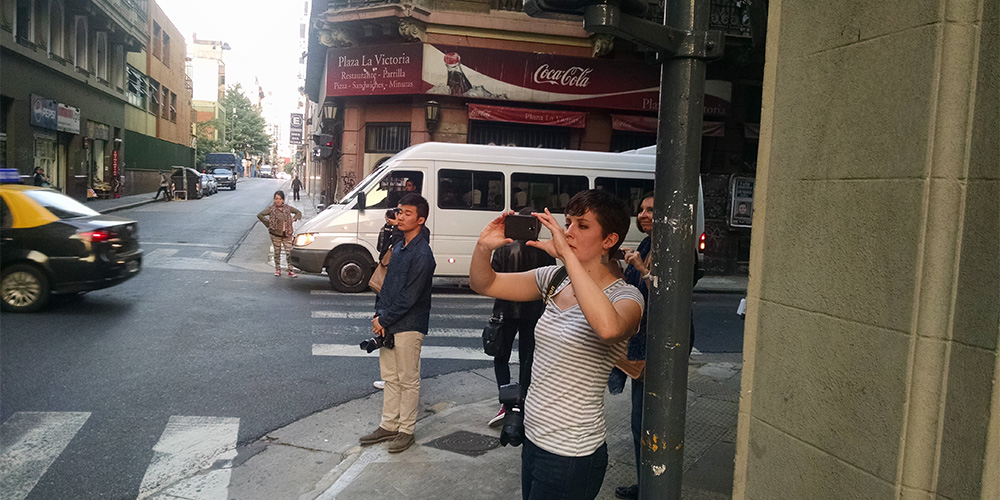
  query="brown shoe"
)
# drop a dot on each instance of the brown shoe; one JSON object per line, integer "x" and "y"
{"x": 378, "y": 436}
{"x": 401, "y": 443}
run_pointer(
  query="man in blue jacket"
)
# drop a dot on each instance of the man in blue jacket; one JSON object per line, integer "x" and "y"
{"x": 402, "y": 310}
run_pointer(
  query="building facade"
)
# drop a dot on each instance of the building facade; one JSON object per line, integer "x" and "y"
{"x": 63, "y": 86}
{"x": 391, "y": 75}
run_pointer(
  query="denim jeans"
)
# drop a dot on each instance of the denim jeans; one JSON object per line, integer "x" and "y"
{"x": 547, "y": 476}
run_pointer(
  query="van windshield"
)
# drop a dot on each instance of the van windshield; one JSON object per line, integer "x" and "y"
{"x": 363, "y": 185}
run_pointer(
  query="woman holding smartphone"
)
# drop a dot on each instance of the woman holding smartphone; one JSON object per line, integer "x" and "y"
{"x": 582, "y": 332}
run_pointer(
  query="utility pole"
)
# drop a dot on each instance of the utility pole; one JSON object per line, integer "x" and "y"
{"x": 684, "y": 45}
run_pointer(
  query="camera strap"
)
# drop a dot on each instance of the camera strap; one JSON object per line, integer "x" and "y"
{"x": 557, "y": 280}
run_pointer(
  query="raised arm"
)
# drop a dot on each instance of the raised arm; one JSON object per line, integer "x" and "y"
{"x": 516, "y": 287}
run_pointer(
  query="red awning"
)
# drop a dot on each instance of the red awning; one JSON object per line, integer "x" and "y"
{"x": 574, "y": 119}
{"x": 647, "y": 124}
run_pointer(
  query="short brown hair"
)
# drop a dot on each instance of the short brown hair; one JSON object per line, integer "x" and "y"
{"x": 612, "y": 213}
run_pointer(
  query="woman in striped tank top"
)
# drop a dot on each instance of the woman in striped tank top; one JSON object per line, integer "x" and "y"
{"x": 583, "y": 331}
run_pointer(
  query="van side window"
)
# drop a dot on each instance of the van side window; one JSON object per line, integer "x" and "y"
{"x": 541, "y": 191}
{"x": 392, "y": 187}
{"x": 470, "y": 190}
{"x": 629, "y": 190}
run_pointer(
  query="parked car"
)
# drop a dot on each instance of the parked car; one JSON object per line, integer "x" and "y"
{"x": 53, "y": 244}
{"x": 208, "y": 185}
{"x": 282, "y": 175}
{"x": 186, "y": 183}
{"x": 265, "y": 171}
{"x": 225, "y": 178}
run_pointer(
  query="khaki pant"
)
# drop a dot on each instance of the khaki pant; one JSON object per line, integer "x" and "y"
{"x": 278, "y": 242}
{"x": 400, "y": 369}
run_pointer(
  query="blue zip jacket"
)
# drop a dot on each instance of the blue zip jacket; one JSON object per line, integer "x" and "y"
{"x": 404, "y": 305}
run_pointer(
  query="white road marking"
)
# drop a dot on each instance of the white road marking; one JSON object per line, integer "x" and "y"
{"x": 165, "y": 243}
{"x": 193, "y": 459}
{"x": 29, "y": 443}
{"x": 368, "y": 315}
{"x": 426, "y": 352}
{"x": 366, "y": 330}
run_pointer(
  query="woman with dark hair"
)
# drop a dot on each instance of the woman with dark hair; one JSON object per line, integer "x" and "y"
{"x": 581, "y": 333}
{"x": 279, "y": 218}
{"x": 636, "y": 274}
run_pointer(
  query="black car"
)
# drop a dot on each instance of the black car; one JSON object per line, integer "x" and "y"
{"x": 224, "y": 178}
{"x": 51, "y": 243}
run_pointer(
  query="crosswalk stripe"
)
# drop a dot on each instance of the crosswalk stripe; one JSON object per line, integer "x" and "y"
{"x": 426, "y": 352}
{"x": 193, "y": 459}
{"x": 368, "y": 315}
{"x": 365, "y": 331}
{"x": 29, "y": 444}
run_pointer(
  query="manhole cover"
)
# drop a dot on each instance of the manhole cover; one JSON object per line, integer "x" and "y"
{"x": 466, "y": 443}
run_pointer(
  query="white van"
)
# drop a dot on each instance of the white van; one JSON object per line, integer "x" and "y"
{"x": 467, "y": 186}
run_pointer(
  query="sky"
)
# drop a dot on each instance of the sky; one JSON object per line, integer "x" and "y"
{"x": 264, "y": 39}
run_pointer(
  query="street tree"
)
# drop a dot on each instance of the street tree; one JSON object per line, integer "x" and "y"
{"x": 243, "y": 125}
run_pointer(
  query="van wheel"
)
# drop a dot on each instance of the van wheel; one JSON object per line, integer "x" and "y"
{"x": 349, "y": 272}
{"x": 23, "y": 288}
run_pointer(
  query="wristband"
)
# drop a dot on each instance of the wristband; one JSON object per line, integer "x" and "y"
{"x": 647, "y": 276}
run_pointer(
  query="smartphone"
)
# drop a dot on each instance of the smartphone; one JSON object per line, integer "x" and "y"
{"x": 522, "y": 227}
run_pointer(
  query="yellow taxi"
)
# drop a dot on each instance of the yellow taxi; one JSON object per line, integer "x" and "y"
{"x": 51, "y": 243}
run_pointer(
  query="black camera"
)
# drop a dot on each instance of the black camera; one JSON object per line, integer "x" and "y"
{"x": 391, "y": 213}
{"x": 512, "y": 399}
{"x": 378, "y": 341}
{"x": 521, "y": 227}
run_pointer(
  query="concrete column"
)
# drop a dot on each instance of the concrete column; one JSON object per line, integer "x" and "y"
{"x": 873, "y": 325}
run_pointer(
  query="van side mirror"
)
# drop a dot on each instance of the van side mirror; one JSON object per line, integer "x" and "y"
{"x": 320, "y": 207}
{"x": 362, "y": 202}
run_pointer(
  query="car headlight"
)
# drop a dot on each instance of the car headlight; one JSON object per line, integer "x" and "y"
{"x": 304, "y": 239}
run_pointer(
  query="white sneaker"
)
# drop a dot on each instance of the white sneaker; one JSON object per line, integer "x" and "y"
{"x": 379, "y": 384}
{"x": 498, "y": 419}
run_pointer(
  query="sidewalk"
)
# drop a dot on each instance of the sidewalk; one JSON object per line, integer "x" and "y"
{"x": 458, "y": 457}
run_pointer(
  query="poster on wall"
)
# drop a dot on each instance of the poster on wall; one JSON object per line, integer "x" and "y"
{"x": 741, "y": 209}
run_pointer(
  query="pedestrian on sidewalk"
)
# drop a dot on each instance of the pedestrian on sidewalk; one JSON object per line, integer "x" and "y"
{"x": 39, "y": 178}
{"x": 402, "y": 311}
{"x": 164, "y": 187}
{"x": 519, "y": 318}
{"x": 296, "y": 186}
{"x": 565, "y": 454}
{"x": 636, "y": 274}
{"x": 278, "y": 218}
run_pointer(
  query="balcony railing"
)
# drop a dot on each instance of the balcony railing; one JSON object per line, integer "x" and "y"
{"x": 732, "y": 17}
{"x": 354, "y": 4}
{"x": 129, "y": 14}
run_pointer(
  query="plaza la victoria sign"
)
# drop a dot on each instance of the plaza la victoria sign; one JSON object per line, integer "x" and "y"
{"x": 492, "y": 74}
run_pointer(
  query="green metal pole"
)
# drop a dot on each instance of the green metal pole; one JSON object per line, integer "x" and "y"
{"x": 682, "y": 89}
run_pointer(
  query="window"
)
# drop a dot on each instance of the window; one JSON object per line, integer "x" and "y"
{"x": 117, "y": 65}
{"x": 392, "y": 187}
{"x": 157, "y": 42}
{"x": 387, "y": 137}
{"x": 136, "y": 90}
{"x": 60, "y": 205}
{"x": 80, "y": 44}
{"x": 541, "y": 191}
{"x": 45, "y": 154}
{"x": 102, "y": 55}
{"x": 173, "y": 107}
{"x": 166, "y": 50}
{"x": 629, "y": 190}
{"x": 470, "y": 190}
{"x": 22, "y": 23}
{"x": 165, "y": 102}
{"x": 154, "y": 96}
{"x": 57, "y": 40}
{"x": 511, "y": 134}
{"x": 40, "y": 23}
{"x": 627, "y": 141}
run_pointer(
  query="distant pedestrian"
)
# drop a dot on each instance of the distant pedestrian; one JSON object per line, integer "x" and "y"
{"x": 279, "y": 218}
{"x": 519, "y": 318}
{"x": 39, "y": 178}
{"x": 402, "y": 314}
{"x": 164, "y": 187}
{"x": 296, "y": 186}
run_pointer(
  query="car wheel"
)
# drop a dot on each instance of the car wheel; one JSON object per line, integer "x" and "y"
{"x": 233, "y": 188}
{"x": 350, "y": 271}
{"x": 23, "y": 288}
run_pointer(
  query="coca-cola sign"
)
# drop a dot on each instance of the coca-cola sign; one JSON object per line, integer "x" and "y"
{"x": 574, "y": 76}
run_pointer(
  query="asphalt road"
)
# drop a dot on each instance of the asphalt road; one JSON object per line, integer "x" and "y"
{"x": 206, "y": 331}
